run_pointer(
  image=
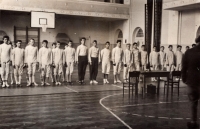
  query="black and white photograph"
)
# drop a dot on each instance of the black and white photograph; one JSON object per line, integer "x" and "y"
{"x": 99, "y": 64}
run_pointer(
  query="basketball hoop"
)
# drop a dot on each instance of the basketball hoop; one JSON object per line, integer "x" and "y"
{"x": 44, "y": 28}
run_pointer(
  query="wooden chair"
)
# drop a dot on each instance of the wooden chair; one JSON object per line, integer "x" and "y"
{"x": 173, "y": 82}
{"x": 130, "y": 84}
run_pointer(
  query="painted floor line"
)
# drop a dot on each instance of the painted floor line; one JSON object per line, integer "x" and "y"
{"x": 147, "y": 104}
{"x": 71, "y": 89}
{"x": 100, "y": 101}
{"x": 118, "y": 86}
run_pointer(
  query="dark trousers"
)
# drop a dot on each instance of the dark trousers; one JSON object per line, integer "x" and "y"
{"x": 193, "y": 94}
{"x": 82, "y": 65}
{"x": 94, "y": 68}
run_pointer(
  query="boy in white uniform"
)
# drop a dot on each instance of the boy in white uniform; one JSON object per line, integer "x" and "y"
{"x": 52, "y": 67}
{"x": 25, "y": 67}
{"x": 93, "y": 58}
{"x": 144, "y": 58}
{"x": 58, "y": 62}
{"x": 11, "y": 66}
{"x": 154, "y": 60}
{"x": 128, "y": 61}
{"x": 5, "y": 52}
{"x": 162, "y": 57}
{"x": 117, "y": 55}
{"x": 45, "y": 61}
{"x": 31, "y": 58}
{"x": 136, "y": 58}
{"x": 170, "y": 59}
{"x": 18, "y": 62}
{"x": 64, "y": 66}
{"x": 105, "y": 58}
{"x": 179, "y": 57}
{"x": 69, "y": 60}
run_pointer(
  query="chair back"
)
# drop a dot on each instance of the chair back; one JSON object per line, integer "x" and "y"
{"x": 176, "y": 73}
{"x": 134, "y": 74}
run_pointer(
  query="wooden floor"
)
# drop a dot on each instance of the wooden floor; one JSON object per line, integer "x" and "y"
{"x": 90, "y": 107}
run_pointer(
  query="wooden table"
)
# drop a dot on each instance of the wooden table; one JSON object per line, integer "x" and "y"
{"x": 155, "y": 74}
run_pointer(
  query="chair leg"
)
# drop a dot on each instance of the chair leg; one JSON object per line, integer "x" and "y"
{"x": 123, "y": 90}
{"x": 172, "y": 87}
{"x": 132, "y": 90}
{"x": 178, "y": 89}
{"x": 164, "y": 87}
{"x": 129, "y": 90}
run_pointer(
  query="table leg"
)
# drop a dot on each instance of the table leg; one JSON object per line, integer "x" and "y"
{"x": 136, "y": 88}
{"x": 144, "y": 87}
{"x": 158, "y": 88}
{"x": 167, "y": 85}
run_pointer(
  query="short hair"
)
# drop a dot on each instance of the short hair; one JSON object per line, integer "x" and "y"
{"x": 134, "y": 43}
{"x": 179, "y": 46}
{"x": 154, "y": 47}
{"x": 187, "y": 47}
{"x": 10, "y": 42}
{"x": 53, "y": 43}
{"x": 19, "y": 41}
{"x": 193, "y": 45}
{"x": 45, "y": 41}
{"x": 162, "y": 47}
{"x": 5, "y": 37}
{"x": 83, "y": 38}
{"x": 143, "y": 46}
{"x": 95, "y": 41}
{"x": 66, "y": 44}
{"x": 32, "y": 39}
{"x": 170, "y": 46}
{"x": 119, "y": 41}
{"x": 107, "y": 43}
{"x": 58, "y": 42}
{"x": 70, "y": 41}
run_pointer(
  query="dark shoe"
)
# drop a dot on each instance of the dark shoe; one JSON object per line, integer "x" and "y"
{"x": 191, "y": 125}
{"x": 83, "y": 82}
{"x": 79, "y": 82}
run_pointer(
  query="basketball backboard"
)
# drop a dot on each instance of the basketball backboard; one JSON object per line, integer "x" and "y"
{"x": 41, "y": 19}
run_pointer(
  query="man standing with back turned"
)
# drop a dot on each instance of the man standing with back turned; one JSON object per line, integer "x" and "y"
{"x": 191, "y": 76}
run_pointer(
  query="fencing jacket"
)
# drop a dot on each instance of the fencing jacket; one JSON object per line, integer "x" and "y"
{"x": 31, "y": 54}
{"x": 170, "y": 57}
{"x": 127, "y": 57}
{"x": 154, "y": 58}
{"x": 143, "y": 55}
{"x": 70, "y": 54}
{"x": 179, "y": 56}
{"x": 18, "y": 56}
{"x": 45, "y": 56}
{"x": 5, "y": 52}
{"x": 58, "y": 56}
{"x": 117, "y": 54}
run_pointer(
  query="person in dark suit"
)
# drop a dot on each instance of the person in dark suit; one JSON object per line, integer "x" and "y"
{"x": 191, "y": 76}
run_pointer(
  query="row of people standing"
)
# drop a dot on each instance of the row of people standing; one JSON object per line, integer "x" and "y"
{"x": 52, "y": 61}
{"x": 128, "y": 59}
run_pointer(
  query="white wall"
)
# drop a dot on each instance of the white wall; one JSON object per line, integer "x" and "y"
{"x": 74, "y": 28}
{"x": 189, "y": 24}
{"x": 137, "y": 16}
{"x": 188, "y": 27}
